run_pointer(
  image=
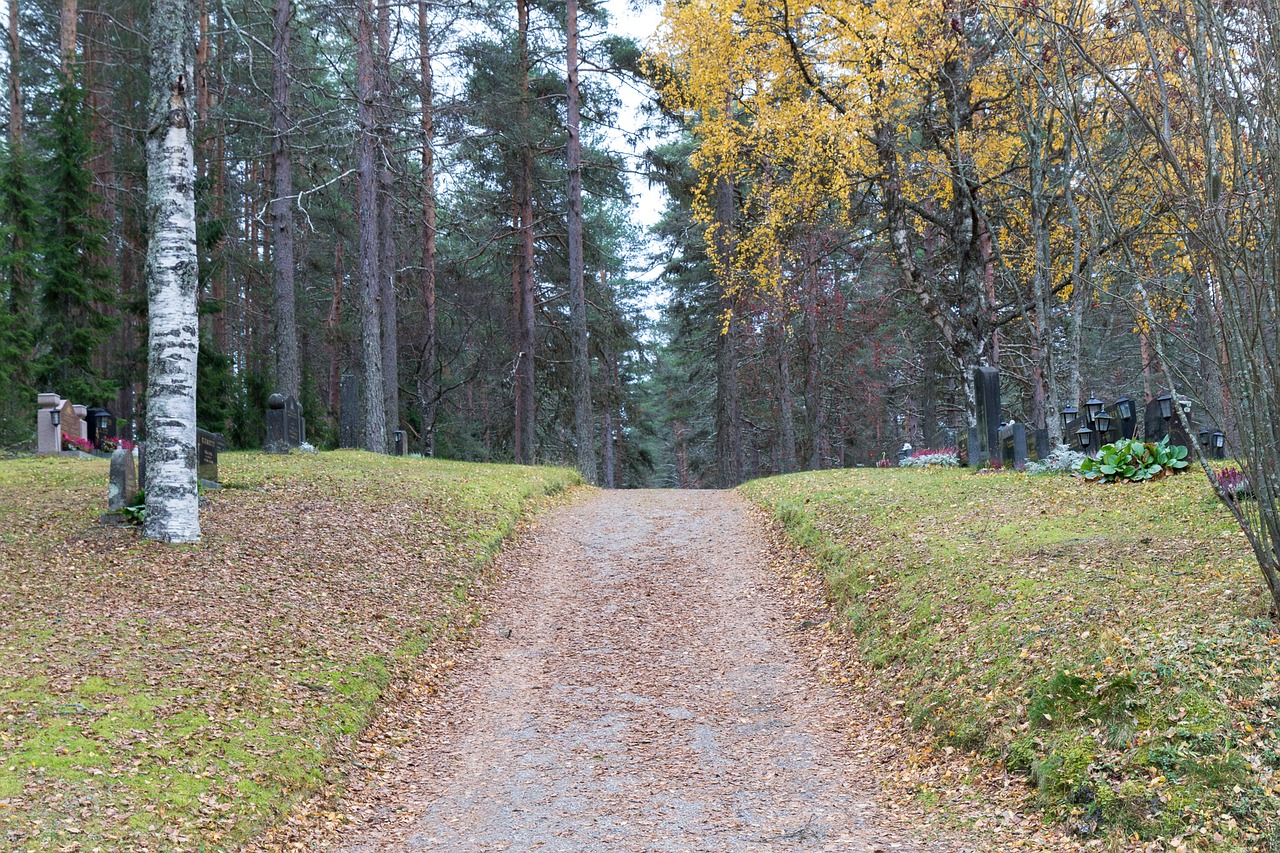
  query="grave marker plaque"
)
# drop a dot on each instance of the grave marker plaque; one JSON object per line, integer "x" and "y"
{"x": 207, "y": 446}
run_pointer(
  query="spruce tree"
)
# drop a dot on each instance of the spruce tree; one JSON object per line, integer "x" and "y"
{"x": 19, "y": 242}
{"x": 76, "y": 293}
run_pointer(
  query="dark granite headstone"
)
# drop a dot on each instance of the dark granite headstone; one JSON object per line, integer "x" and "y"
{"x": 142, "y": 466}
{"x": 1121, "y": 426}
{"x": 1157, "y": 427}
{"x": 1041, "y": 447}
{"x": 286, "y": 428}
{"x": 968, "y": 448}
{"x": 1013, "y": 445}
{"x": 207, "y": 446}
{"x": 92, "y": 416}
{"x": 350, "y": 414}
{"x": 986, "y": 384}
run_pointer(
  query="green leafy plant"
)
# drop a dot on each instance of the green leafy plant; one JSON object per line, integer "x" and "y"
{"x": 1135, "y": 460}
{"x": 136, "y": 509}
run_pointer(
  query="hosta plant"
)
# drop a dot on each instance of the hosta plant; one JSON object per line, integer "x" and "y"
{"x": 1134, "y": 460}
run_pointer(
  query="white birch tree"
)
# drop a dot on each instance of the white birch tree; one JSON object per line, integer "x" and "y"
{"x": 173, "y": 335}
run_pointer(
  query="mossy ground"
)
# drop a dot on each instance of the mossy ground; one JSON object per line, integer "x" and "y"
{"x": 182, "y": 697}
{"x": 1110, "y": 644}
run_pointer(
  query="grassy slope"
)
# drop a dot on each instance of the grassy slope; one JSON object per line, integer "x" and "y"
{"x": 157, "y": 697}
{"x": 1110, "y": 642}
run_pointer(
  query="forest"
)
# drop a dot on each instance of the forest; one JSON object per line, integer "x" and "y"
{"x": 421, "y": 213}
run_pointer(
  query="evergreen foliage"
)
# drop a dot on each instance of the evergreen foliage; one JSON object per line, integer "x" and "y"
{"x": 77, "y": 289}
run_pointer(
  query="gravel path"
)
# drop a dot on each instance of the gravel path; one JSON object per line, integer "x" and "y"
{"x": 637, "y": 689}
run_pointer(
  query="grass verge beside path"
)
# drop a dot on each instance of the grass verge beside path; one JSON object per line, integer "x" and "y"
{"x": 1110, "y": 644}
{"x": 183, "y": 697}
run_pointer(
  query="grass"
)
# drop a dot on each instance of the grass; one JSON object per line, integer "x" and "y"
{"x": 184, "y": 697}
{"x": 1111, "y": 644}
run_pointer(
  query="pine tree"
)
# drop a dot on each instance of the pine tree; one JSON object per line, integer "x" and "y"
{"x": 74, "y": 324}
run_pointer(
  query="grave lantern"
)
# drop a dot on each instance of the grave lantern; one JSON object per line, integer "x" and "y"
{"x": 1085, "y": 436}
{"x": 1102, "y": 421}
{"x": 1219, "y": 440}
{"x": 1092, "y": 407}
{"x": 1068, "y": 415}
{"x": 1124, "y": 408}
{"x": 55, "y": 417}
{"x": 1204, "y": 438}
{"x": 1166, "y": 406}
{"x": 104, "y": 420}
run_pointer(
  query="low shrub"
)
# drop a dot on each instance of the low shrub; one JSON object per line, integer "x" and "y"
{"x": 945, "y": 457}
{"x": 1134, "y": 460}
{"x": 1063, "y": 460}
{"x": 1233, "y": 484}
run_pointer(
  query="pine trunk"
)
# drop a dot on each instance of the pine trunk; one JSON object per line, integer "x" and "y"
{"x": 387, "y": 261}
{"x": 786, "y": 401}
{"x": 582, "y": 416}
{"x": 288, "y": 378}
{"x": 428, "y": 385}
{"x": 814, "y": 406}
{"x": 375, "y": 413}
{"x": 15, "y": 79}
{"x": 173, "y": 326}
{"x": 526, "y": 318}
{"x": 67, "y": 38}
{"x": 731, "y": 460}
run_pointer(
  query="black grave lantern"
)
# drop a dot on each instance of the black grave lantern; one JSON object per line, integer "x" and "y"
{"x": 1069, "y": 414}
{"x": 1204, "y": 438}
{"x": 1085, "y": 436}
{"x": 55, "y": 417}
{"x": 1102, "y": 421}
{"x": 1124, "y": 408}
{"x": 103, "y": 420}
{"x": 1166, "y": 406}
{"x": 1092, "y": 407}
{"x": 1219, "y": 440}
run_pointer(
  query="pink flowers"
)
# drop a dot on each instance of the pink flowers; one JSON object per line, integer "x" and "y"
{"x": 76, "y": 443}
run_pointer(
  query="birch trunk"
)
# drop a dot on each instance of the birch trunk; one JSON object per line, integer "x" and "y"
{"x": 582, "y": 416}
{"x": 288, "y": 378}
{"x": 375, "y": 414}
{"x": 173, "y": 325}
{"x": 15, "y": 80}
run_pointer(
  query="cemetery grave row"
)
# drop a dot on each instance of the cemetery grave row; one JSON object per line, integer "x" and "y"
{"x": 995, "y": 443}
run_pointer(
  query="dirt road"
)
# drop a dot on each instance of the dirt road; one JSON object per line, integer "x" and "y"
{"x": 638, "y": 689}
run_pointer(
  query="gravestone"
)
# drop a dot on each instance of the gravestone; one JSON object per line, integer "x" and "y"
{"x": 1157, "y": 427}
{"x": 142, "y": 465}
{"x": 96, "y": 435}
{"x": 1013, "y": 445}
{"x": 350, "y": 414}
{"x": 122, "y": 484}
{"x": 207, "y": 446}
{"x": 399, "y": 442}
{"x": 1122, "y": 424}
{"x": 968, "y": 448}
{"x": 986, "y": 384}
{"x": 1040, "y": 448}
{"x": 286, "y": 428}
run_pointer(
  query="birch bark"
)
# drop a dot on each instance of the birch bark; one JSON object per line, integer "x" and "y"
{"x": 173, "y": 325}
